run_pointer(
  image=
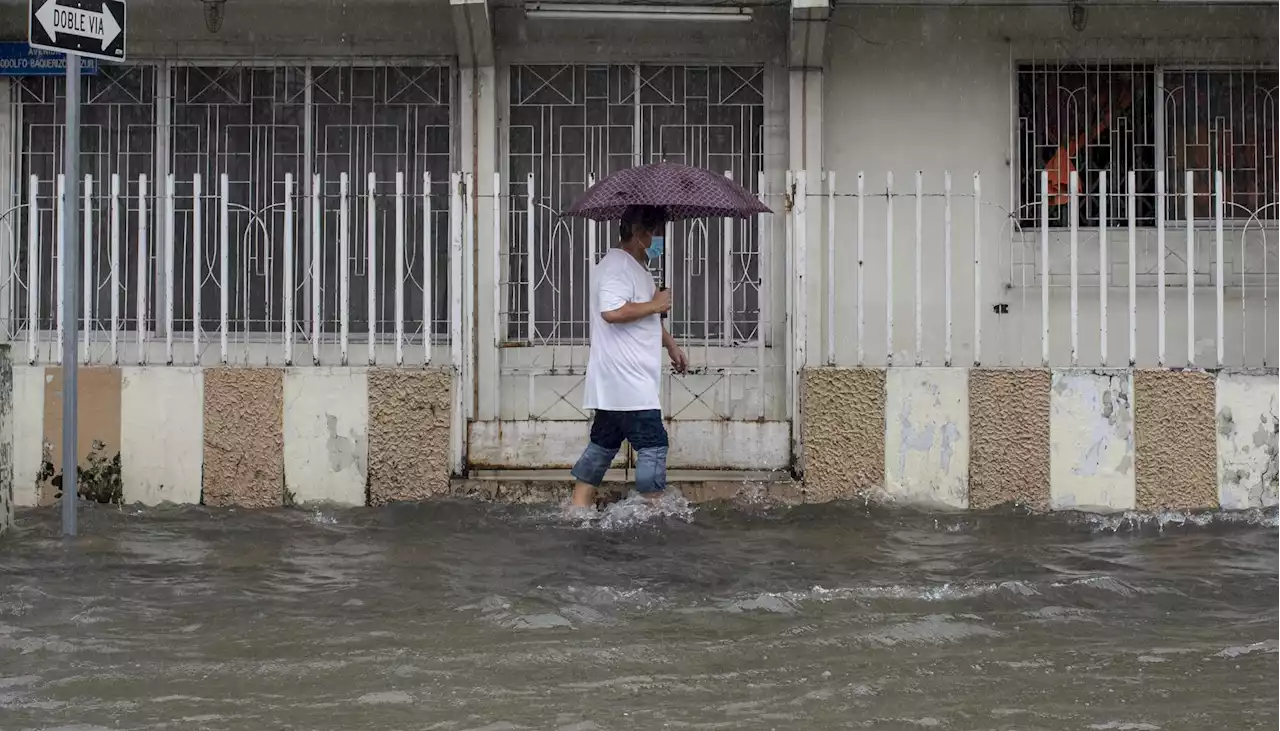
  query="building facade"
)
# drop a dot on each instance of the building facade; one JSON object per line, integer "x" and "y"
{"x": 328, "y": 234}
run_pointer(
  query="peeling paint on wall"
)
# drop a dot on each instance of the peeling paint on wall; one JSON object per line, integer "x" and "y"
{"x": 1174, "y": 442}
{"x": 1091, "y": 441}
{"x": 28, "y": 434}
{"x": 409, "y": 428}
{"x": 1247, "y": 425}
{"x": 1009, "y": 438}
{"x": 927, "y": 436}
{"x": 243, "y": 437}
{"x": 326, "y": 434}
{"x": 843, "y": 426}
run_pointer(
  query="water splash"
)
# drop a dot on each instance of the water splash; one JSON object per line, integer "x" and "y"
{"x": 633, "y": 511}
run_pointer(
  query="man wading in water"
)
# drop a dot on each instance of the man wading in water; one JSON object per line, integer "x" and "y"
{"x": 627, "y": 337}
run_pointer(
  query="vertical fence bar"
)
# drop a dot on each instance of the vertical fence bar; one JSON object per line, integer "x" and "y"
{"x": 788, "y": 302}
{"x": 59, "y": 218}
{"x": 1044, "y": 268}
{"x": 1189, "y": 197}
{"x": 315, "y": 275}
{"x": 1131, "y": 207}
{"x": 888, "y": 268}
{"x": 1073, "y": 198}
{"x": 946, "y": 267}
{"x": 763, "y": 291}
{"x": 170, "y": 187}
{"x": 1218, "y": 213}
{"x": 468, "y": 292}
{"x": 530, "y": 220}
{"x": 344, "y": 266}
{"x": 800, "y": 332}
{"x": 1160, "y": 303}
{"x": 497, "y": 273}
{"x": 371, "y": 251}
{"x": 144, "y": 277}
{"x": 726, "y": 275}
{"x": 977, "y": 269}
{"x": 33, "y": 267}
{"x": 224, "y": 264}
{"x": 88, "y": 276}
{"x": 497, "y": 246}
{"x": 197, "y": 257}
{"x": 862, "y": 229}
{"x": 455, "y": 317}
{"x": 288, "y": 269}
{"x": 831, "y": 268}
{"x": 1103, "y": 263}
{"x": 115, "y": 268}
{"x": 918, "y": 303}
{"x": 399, "y": 269}
{"x": 428, "y": 320}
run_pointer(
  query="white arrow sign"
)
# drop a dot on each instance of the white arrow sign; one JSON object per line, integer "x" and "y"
{"x": 60, "y": 19}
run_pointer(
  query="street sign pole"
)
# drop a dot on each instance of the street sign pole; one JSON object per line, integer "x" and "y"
{"x": 70, "y": 305}
{"x": 77, "y": 28}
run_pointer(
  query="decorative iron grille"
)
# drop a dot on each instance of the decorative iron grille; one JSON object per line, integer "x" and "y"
{"x": 1151, "y": 121}
{"x": 570, "y": 124}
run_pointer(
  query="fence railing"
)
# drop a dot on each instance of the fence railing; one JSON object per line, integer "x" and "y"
{"x": 371, "y": 269}
{"x": 968, "y": 275}
{"x": 192, "y": 272}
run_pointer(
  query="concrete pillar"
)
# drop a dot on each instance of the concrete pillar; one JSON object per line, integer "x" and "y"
{"x": 477, "y": 148}
{"x": 805, "y": 59}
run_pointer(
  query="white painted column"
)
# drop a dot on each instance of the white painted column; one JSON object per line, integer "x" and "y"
{"x": 478, "y": 134}
{"x": 477, "y": 104}
{"x": 8, "y": 234}
{"x": 805, "y": 132}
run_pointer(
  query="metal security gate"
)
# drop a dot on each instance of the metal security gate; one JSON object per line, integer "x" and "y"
{"x": 566, "y": 126}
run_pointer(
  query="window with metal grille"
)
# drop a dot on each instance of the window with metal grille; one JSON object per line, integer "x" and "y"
{"x": 1085, "y": 119}
{"x": 1222, "y": 120}
{"x": 570, "y": 124}
{"x": 255, "y": 124}
{"x": 118, "y": 134}
{"x": 1151, "y": 121}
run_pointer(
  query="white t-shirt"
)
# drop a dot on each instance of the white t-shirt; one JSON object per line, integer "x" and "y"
{"x": 626, "y": 359}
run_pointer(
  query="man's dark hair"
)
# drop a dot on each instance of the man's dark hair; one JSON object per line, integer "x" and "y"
{"x": 649, "y": 218}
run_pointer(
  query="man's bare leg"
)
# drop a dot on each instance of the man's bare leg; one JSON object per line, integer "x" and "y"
{"x": 584, "y": 495}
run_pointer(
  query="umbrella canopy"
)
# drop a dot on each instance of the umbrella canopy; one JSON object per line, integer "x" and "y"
{"x": 679, "y": 190}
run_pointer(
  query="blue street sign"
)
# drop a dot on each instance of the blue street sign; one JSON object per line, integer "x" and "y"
{"x": 17, "y": 58}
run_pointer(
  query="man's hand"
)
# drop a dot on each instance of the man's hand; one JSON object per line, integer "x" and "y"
{"x": 679, "y": 360}
{"x": 661, "y": 301}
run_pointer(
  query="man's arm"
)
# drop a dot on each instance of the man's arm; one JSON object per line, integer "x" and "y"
{"x": 678, "y": 359}
{"x": 630, "y": 312}
{"x": 616, "y": 307}
{"x": 668, "y": 341}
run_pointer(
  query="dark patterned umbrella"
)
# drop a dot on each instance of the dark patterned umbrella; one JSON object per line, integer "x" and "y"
{"x": 681, "y": 191}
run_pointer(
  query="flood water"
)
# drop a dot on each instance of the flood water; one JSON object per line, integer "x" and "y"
{"x": 474, "y": 616}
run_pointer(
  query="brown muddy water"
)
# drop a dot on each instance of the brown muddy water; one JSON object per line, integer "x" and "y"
{"x": 466, "y": 616}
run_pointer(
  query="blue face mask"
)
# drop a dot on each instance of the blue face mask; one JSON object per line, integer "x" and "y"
{"x": 655, "y": 248}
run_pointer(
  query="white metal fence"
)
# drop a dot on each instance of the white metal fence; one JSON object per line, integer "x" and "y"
{"x": 194, "y": 272}
{"x": 370, "y": 270}
{"x": 967, "y": 283}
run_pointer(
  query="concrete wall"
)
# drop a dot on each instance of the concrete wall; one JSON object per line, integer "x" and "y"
{"x": 243, "y": 437}
{"x": 6, "y": 440}
{"x": 1068, "y": 439}
{"x": 937, "y": 438}
{"x": 932, "y": 89}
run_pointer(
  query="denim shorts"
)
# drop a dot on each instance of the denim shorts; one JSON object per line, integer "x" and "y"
{"x": 645, "y": 432}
